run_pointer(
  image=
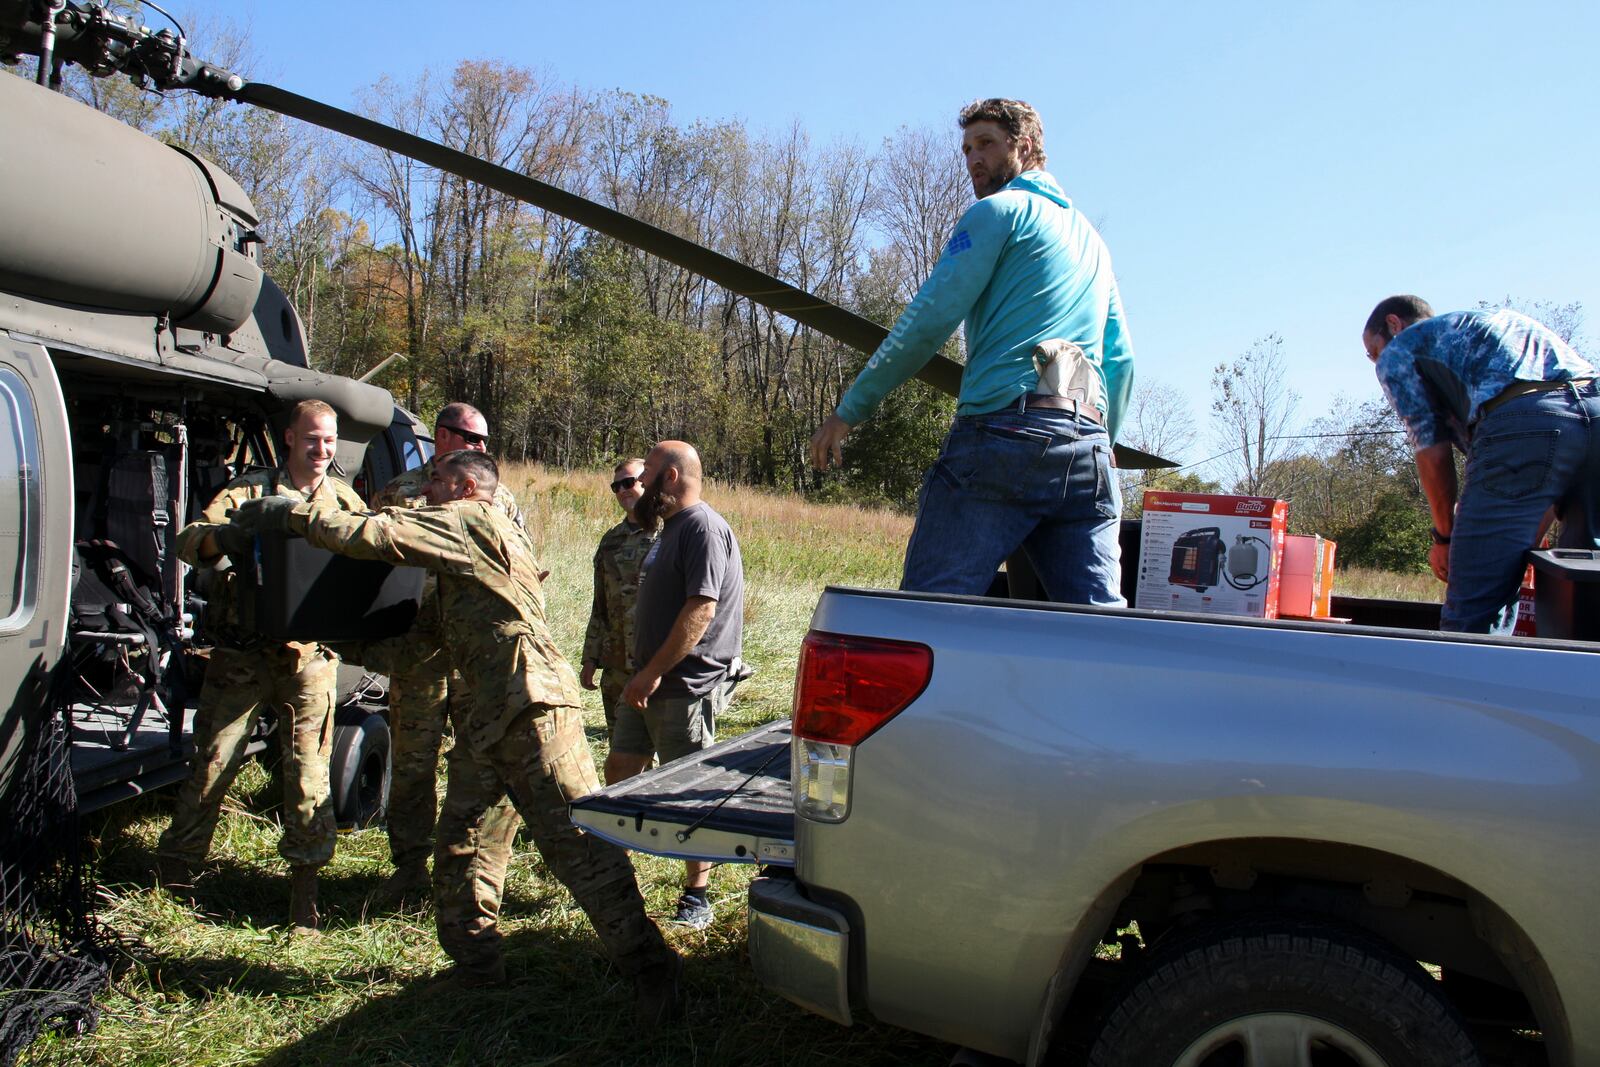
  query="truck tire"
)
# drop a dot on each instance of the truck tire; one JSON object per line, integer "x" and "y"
{"x": 359, "y": 768}
{"x": 1282, "y": 990}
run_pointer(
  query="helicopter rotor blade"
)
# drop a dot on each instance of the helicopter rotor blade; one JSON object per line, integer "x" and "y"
{"x": 805, "y": 308}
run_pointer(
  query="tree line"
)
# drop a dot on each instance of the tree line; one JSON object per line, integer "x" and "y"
{"x": 581, "y": 350}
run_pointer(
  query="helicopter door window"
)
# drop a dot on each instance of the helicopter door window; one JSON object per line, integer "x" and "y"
{"x": 413, "y": 455}
{"x": 19, "y": 502}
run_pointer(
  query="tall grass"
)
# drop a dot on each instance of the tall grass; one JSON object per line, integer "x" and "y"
{"x": 220, "y": 982}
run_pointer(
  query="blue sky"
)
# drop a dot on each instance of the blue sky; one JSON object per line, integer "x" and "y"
{"x": 1256, "y": 167}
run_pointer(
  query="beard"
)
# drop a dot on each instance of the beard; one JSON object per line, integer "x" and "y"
{"x": 647, "y": 512}
{"x": 999, "y": 179}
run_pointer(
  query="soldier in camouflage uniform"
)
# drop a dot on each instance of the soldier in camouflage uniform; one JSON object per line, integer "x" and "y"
{"x": 518, "y": 729}
{"x": 608, "y": 645}
{"x": 297, "y": 680}
{"x": 419, "y": 674}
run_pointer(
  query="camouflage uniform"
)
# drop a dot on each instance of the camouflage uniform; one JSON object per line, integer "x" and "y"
{"x": 608, "y": 645}
{"x": 297, "y": 680}
{"x": 419, "y": 691}
{"x": 518, "y": 730}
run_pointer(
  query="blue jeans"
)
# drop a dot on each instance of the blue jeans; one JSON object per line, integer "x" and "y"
{"x": 1527, "y": 454}
{"x": 1039, "y": 480}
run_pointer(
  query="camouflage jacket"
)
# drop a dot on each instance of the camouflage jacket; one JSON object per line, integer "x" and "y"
{"x": 617, "y": 562}
{"x": 222, "y": 622}
{"x": 490, "y": 597}
{"x": 408, "y": 489}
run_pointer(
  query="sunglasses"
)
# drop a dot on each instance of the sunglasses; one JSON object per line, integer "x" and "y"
{"x": 466, "y": 435}
{"x": 624, "y": 483}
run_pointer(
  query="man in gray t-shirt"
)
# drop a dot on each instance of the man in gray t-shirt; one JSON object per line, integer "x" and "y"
{"x": 687, "y": 635}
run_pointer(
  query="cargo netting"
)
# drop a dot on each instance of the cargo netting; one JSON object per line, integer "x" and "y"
{"x": 54, "y": 958}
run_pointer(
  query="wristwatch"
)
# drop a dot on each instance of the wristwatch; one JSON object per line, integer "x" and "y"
{"x": 1438, "y": 538}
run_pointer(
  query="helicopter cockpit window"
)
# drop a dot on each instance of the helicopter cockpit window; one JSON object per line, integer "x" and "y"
{"x": 19, "y": 501}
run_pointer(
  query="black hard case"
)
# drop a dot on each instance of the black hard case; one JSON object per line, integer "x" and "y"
{"x": 302, "y": 593}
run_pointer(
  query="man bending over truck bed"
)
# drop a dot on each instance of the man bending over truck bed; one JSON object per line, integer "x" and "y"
{"x": 1523, "y": 406}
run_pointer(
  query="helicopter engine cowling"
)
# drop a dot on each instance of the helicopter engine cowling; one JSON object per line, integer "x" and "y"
{"x": 100, "y": 215}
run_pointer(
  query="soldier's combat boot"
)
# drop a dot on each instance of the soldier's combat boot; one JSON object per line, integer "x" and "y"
{"x": 302, "y": 901}
{"x": 409, "y": 884}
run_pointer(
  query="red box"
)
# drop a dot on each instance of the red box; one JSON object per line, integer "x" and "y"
{"x": 1211, "y": 553}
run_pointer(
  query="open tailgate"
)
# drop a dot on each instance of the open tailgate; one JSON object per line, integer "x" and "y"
{"x": 729, "y": 804}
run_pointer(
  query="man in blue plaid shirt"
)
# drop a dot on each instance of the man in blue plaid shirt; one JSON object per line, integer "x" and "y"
{"x": 1524, "y": 407}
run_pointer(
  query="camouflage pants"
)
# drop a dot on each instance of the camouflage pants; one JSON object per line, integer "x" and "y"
{"x": 540, "y": 763}
{"x": 237, "y": 684}
{"x": 419, "y": 706}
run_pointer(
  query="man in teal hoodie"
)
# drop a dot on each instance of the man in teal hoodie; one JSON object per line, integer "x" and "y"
{"x": 1049, "y": 368}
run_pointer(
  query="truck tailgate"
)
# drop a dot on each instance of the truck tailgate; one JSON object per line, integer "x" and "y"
{"x": 729, "y": 804}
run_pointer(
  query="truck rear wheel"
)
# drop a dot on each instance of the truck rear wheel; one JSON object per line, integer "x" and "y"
{"x": 359, "y": 768}
{"x": 1282, "y": 992}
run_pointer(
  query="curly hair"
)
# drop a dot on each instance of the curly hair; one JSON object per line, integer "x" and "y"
{"x": 1016, "y": 117}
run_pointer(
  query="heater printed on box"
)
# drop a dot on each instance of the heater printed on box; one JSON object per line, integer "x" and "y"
{"x": 1211, "y": 553}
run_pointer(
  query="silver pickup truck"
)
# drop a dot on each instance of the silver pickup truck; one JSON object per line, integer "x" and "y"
{"x": 1067, "y": 834}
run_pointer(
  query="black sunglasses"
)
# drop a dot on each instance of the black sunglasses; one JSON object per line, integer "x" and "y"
{"x": 466, "y": 435}
{"x": 624, "y": 483}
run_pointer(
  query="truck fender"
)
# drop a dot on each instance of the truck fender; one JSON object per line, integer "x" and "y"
{"x": 1075, "y": 957}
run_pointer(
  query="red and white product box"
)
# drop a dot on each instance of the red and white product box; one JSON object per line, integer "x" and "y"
{"x": 1211, "y": 553}
{"x": 1527, "y": 624}
{"x": 1306, "y": 588}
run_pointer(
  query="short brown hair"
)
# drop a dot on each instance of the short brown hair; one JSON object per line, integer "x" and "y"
{"x": 314, "y": 408}
{"x": 627, "y": 463}
{"x": 1409, "y": 309}
{"x": 479, "y": 466}
{"x": 1017, "y": 118}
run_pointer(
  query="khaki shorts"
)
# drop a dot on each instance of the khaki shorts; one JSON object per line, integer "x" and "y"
{"x": 670, "y": 727}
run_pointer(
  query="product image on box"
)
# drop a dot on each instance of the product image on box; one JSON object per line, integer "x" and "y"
{"x": 1219, "y": 553}
{"x": 1200, "y": 560}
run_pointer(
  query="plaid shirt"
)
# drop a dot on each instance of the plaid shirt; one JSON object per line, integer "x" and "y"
{"x": 1439, "y": 372}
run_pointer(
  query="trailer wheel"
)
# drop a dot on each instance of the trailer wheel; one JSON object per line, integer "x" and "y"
{"x": 1284, "y": 990}
{"x": 359, "y": 768}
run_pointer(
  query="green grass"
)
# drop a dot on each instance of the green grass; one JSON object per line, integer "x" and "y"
{"x": 222, "y": 984}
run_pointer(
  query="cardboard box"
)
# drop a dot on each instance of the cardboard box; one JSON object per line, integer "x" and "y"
{"x": 1306, "y": 588}
{"x": 1211, "y": 553}
{"x": 1527, "y": 608}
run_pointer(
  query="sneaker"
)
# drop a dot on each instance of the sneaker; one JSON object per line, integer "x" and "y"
{"x": 693, "y": 912}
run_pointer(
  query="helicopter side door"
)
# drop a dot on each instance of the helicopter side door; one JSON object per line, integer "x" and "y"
{"x": 36, "y": 504}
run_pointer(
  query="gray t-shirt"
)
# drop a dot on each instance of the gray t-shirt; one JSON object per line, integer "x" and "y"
{"x": 696, "y": 555}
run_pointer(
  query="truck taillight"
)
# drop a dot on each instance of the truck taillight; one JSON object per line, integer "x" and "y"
{"x": 846, "y": 688}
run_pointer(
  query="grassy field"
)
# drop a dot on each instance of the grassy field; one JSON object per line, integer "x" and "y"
{"x": 221, "y": 984}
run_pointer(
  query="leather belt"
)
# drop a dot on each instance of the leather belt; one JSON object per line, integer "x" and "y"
{"x": 1059, "y": 403}
{"x": 1516, "y": 389}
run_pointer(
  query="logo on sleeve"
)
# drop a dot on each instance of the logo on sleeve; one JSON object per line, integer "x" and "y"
{"x": 958, "y": 244}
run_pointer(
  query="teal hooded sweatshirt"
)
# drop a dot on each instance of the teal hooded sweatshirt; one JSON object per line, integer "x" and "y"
{"x": 1023, "y": 266}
